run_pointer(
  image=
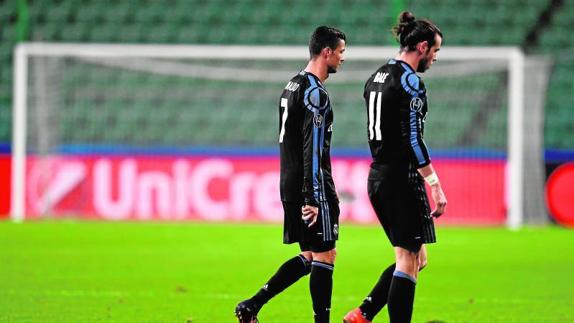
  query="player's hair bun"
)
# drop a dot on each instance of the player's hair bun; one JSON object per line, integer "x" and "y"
{"x": 406, "y": 18}
{"x": 409, "y": 31}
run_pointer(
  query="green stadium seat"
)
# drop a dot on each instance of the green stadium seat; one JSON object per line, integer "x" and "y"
{"x": 204, "y": 13}
{"x": 59, "y": 13}
{"x": 102, "y": 35}
{"x": 8, "y": 33}
{"x": 7, "y": 9}
{"x": 75, "y": 33}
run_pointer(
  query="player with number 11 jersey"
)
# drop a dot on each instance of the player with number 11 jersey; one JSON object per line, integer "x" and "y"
{"x": 397, "y": 107}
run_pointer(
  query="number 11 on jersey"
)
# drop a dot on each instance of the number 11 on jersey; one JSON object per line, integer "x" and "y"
{"x": 375, "y": 116}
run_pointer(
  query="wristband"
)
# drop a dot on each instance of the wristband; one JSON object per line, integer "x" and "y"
{"x": 432, "y": 179}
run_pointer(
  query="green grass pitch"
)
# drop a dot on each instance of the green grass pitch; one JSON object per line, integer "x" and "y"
{"x": 74, "y": 271}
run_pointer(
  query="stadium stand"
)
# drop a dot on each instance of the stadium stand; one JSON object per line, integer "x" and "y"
{"x": 557, "y": 41}
{"x": 271, "y": 22}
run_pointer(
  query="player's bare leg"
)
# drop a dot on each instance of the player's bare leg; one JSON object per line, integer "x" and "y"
{"x": 422, "y": 258}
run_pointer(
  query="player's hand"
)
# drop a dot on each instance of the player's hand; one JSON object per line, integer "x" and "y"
{"x": 439, "y": 200}
{"x": 310, "y": 214}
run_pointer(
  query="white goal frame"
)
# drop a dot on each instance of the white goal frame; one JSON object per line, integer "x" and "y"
{"x": 512, "y": 55}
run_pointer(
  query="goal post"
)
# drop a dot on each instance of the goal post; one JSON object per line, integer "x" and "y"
{"x": 42, "y": 102}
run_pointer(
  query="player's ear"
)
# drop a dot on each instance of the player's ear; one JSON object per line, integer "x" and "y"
{"x": 423, "y": 47}
{"x": 327, "y": 51}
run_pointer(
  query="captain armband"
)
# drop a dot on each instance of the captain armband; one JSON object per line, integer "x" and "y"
{"x": 432, "y": 179}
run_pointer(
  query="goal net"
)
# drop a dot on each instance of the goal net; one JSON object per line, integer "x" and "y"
{"x": 190, "y": 132}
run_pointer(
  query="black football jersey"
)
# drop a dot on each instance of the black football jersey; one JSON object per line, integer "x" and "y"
{"x": 305, "y": 128}
{"x": 396, "y": 102}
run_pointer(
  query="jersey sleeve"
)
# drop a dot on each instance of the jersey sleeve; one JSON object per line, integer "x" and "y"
{"x": 316, "y": 101}
{"x": 410, "y": 120}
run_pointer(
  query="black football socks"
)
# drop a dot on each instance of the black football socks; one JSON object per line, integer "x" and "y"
{"x": 401, "y": 297}
{"x": 286, "y": 275}
{"x": 377, "y": 298}
{"x": 321, "y": 287}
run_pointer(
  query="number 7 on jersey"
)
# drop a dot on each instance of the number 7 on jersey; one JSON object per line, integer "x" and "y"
{"x": 283, "y": 119}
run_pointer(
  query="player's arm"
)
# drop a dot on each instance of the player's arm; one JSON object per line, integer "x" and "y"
{"x": 412, "y": 140}
{"x": 313, "y": 120}
{"x": 431, "y": 177}
{"x": 410, "y": 127}
{"x": 310, "y": 156}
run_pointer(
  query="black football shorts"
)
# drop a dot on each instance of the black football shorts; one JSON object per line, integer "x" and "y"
{"x": 321, "y": 236}
{"x": 399, "y": 198}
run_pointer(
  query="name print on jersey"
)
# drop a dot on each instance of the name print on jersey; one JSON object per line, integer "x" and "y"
{"x": 380, "y": 77}
{"x": 292, "y": 86}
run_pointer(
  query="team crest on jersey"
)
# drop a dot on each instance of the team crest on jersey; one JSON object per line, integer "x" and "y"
{"x": 416, "y": 104}
{"x": 318, "y": 120}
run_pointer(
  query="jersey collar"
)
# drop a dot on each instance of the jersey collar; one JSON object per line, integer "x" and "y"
{"x": 314, "y": 76}
{"x": 405, "y": 65}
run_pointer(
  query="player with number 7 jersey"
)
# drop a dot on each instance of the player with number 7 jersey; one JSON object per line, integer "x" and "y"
{"x": 310, "y": 203}
{"x": 305, "y": 133}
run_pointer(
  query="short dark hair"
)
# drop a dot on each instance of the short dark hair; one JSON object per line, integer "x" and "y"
{"x": 409, "y": 31}
{"x": 322, "y": 37}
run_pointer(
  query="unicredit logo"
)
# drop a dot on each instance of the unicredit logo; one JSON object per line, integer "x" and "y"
{"x": 167, "y": 188}
{"x": 51, "y": 180}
